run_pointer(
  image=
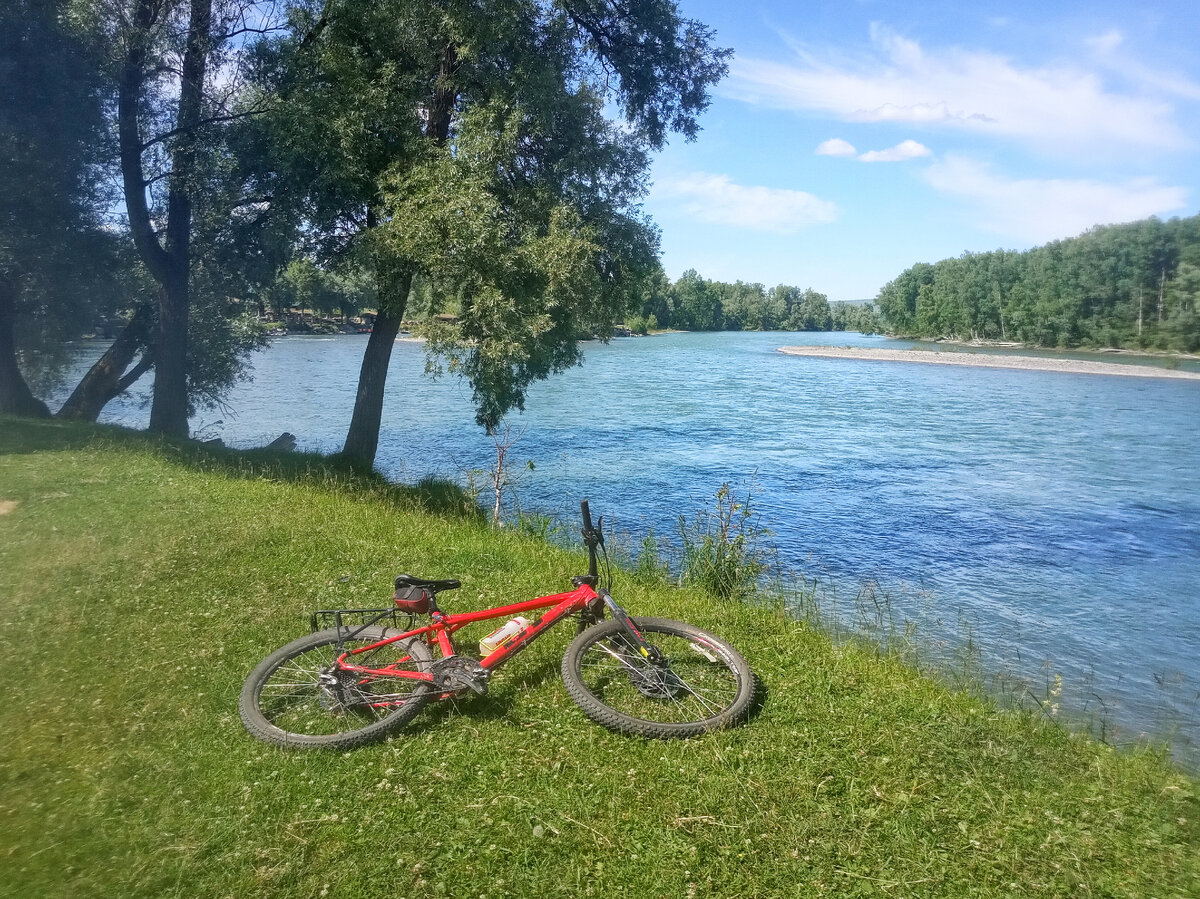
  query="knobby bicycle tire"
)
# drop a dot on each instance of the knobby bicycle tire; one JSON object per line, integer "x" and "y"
{"x": 285, "y": 703}
{"x": 704, "y": 685}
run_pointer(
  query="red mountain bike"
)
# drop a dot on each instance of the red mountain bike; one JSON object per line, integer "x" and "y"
{"x": 366, "y": 676}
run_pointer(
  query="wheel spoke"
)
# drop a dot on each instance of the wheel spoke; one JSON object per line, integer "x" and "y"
{"x": 307, "y": 698}
{"x": 693, "y": 683}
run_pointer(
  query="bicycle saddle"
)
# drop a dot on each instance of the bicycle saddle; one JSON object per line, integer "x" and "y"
{"x": 408, "y": 580}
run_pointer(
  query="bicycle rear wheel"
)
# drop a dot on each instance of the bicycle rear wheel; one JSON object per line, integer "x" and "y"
{"x": 699, "y": 684}
{"x": 298, "y": 698}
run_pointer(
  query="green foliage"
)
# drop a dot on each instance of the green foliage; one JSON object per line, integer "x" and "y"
{"x": 472, "y": 150}
{"x": 530, "y": 265}
{"x": 223, "y": 338}
{"x": 538, "y": 525}
{"x": 650, "y": 568}
{"x": 694, "y": 303}
{"x": 1133, "y": 285}
{"x": 304, "y": 285}
{"x": 638, "y": 325}
{"x": 58, "y": 267}
{"x": 722, "y": 549}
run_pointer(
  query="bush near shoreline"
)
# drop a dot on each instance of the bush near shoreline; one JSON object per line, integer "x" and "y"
{"x": 141, "y": 579}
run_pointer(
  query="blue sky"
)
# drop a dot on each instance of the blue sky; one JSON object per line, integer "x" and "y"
{"x": 853, "y": 139}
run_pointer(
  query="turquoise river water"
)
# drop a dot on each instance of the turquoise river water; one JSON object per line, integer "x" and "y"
{"x": 1054, "y": 518}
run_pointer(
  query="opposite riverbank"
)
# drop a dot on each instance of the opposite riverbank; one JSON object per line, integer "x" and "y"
{"x": 992, "y": 360}
{"x": 153, "y": 575}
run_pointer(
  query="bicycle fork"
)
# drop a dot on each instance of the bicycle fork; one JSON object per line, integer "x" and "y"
{"x": 633, "y": 636}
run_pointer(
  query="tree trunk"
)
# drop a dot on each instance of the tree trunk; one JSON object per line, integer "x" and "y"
{"x": 169, "y": 408}
{"x": 170, "y": 261}
{"x": 362, "y": 440}
{"x": 108, "y": 378}
{"x": 1000, "y": 306}
{"x": 15, "y": 396}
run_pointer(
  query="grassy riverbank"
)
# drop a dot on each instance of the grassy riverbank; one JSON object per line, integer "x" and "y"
{"x": 140, "y": 581}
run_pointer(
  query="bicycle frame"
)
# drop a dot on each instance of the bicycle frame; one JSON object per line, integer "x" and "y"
{"x": 614, "y": 669}
{"x": 439, "y": 632}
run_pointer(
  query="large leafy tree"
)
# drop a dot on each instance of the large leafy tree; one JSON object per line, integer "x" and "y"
{"x": 530, "y": 251}
{"x": 190, "y": 209}
{"x": 50, "y": 145}
{"x": 465, "y": 143}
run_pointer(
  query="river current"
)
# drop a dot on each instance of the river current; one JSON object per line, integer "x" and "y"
{"x": 1053, "y": 520}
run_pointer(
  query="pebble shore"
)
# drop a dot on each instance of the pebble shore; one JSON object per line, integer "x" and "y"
{"x": 988, "y": 360}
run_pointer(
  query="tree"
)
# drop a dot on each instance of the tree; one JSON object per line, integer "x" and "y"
{"x": 50, "y": 130}
{"x": 1114, "y": 285}
{"x": 530, "y": 269}
{"x": 170, "y": 111}
{"x": 898, "y": 299}
{"x": 697, "y": 306}
{"x": 393, "y": 108}
{"x": 810, "y": 312}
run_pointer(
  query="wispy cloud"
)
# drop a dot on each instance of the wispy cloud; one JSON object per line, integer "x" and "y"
{"x": 1038, "y": 210}
{"x": 717, "y": 200}
{"x": 1056, "y": 106}
{"x": 1110, "y": 54}
{"x": 902, "y": 152}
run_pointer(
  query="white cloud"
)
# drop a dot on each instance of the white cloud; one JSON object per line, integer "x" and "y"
{"x": 835, "y": 146}
{"x": 903, "y": 151}
{"x": 1108, "y": 49}
{"x": 1039, "y": 210}
{"x": 718, "y": 200}
{"x": 1055, "y": 107}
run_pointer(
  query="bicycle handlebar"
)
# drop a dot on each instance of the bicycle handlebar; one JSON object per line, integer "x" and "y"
{"x": 590, "y": 538}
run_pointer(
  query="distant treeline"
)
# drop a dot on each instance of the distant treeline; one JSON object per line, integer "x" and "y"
{"x": 1133, "y": 285}
{"x": 694, "y": 303}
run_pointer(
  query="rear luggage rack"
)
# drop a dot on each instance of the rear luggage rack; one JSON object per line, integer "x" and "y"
{"x": 353, "y": 622}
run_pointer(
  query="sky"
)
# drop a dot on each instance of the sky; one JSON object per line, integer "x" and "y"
{"x": 851, "y": 140}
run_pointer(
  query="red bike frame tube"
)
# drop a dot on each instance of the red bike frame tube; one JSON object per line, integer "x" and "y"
{"x": 560, "y": 605}
{"x": 570, "y": 602}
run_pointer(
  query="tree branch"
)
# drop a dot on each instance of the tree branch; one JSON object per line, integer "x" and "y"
{"x": 144, "y": 364}
{"x": 129, "y": 90}
{"x": 211, "y": 120}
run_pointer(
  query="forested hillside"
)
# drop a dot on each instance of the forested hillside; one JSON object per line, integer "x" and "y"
{"x": 1133, "y": 285}
{"x": 694, "y": 303}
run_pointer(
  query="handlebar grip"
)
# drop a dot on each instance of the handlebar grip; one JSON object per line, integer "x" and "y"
{"x": 587, "y": 516}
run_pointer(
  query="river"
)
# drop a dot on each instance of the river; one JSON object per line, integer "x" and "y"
{"x": 1052, "y": 520}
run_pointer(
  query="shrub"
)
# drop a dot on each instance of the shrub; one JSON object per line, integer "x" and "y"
{"x": 723, "y": 552}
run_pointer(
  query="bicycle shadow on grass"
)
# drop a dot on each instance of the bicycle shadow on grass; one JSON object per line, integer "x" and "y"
{"x": 497, "y": 704}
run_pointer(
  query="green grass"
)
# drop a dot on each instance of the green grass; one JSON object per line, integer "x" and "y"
{"x": 141, "y": 580}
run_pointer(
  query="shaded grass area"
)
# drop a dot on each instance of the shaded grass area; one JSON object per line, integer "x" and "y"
{"x": 141, "y": 580}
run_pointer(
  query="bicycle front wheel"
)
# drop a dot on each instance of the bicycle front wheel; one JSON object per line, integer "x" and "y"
{"x": 698, "y": 684}
{"x": 297, "y": 697}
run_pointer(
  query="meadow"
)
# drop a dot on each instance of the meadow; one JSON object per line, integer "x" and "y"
{"x": 141, "y": 580}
